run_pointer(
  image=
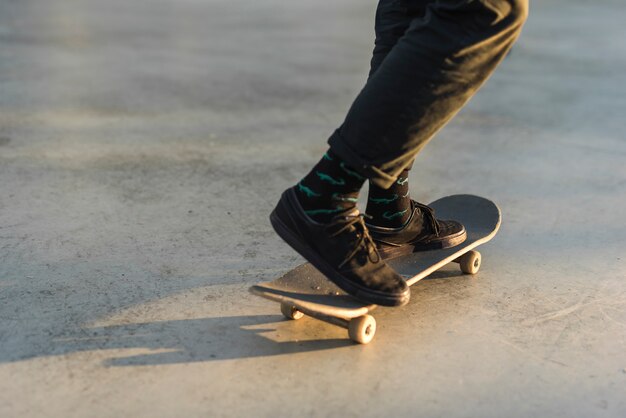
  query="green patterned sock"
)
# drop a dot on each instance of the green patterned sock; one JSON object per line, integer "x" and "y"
{"x": 330, "y": 188}
{"x": 390, "y": 208}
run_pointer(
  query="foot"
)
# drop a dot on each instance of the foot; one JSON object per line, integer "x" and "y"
{"x": 421, "y": 232}
{"x": 343, "y": 250}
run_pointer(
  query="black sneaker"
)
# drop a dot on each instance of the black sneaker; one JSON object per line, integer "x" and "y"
{"x": 421, "y": 232}
{"x": 342, "y": 250}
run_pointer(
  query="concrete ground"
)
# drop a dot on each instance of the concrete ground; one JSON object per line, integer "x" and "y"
{"x": 143, "y": 144}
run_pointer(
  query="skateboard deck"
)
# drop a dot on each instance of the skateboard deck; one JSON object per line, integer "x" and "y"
{"x": 304, "y": 290}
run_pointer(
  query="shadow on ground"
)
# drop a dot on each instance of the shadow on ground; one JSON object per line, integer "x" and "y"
{"x": 222, "y": 337}
{"x": 194, "y": 340}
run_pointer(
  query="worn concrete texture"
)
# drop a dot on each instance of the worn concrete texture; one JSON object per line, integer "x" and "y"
{"x": 143, "y": 144}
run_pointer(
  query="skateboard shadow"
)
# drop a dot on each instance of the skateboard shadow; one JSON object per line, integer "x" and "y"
{"x": 196, "y": 340}
{"x": 227, "y": 338}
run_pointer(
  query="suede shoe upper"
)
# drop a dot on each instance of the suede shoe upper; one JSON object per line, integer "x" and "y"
{"x": 422, "y": 231}
{"x": 344, "y": 248}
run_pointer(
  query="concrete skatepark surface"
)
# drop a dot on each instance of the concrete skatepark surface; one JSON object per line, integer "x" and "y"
{"x": 143, "y": 145}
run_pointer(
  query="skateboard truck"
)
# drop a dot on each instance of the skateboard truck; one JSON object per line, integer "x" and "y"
{"x": 360, "y": 329}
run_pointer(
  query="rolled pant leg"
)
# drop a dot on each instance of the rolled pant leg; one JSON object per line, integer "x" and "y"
{"x": 424, "y": 80}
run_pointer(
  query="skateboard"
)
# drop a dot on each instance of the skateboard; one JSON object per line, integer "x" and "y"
{"x": 306, "y": 291}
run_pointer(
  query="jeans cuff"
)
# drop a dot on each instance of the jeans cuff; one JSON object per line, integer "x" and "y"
{"x": 358, "y": 163}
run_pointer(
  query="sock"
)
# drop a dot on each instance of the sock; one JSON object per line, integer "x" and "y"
{"x": 330, "y": 188}
{"x": 390, "y": 208}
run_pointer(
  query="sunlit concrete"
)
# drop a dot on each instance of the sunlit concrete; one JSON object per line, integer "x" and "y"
{"x": 143, "y": 144}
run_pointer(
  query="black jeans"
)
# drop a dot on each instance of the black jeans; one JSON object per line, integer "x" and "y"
{"x": 429, "y": 59}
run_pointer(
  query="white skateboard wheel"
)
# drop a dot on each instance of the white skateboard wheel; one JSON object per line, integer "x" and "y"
{"x": 290, "y": 311}
{"x": 470, "y": 262}
{"x": 362, "y": 329}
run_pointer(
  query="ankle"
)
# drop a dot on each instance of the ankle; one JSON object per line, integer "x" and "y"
{"x": 390, "y": 208}
{"x": 331, "y": 188}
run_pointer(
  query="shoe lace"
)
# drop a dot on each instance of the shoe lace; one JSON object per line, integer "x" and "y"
{"x": 429, "y": 216}
{"x": 364, "y": 239}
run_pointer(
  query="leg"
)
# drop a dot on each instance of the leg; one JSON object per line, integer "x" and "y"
{"x": 391, "y": 207}
{"x": 424, "y": 80}
{"x": 393, "y": 19}
{"x": 400, "y": 225}
{"x": 329, "y": 189}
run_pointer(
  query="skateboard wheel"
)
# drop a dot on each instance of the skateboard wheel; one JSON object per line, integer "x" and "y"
{"x": 290, "y": 311}
{"x": 362, "y": 329}
{"x": 470, "y": 262}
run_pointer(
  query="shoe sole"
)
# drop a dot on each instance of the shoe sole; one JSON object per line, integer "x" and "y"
{"x": 361, "y": 293}
{"x": 389, "y": 252}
